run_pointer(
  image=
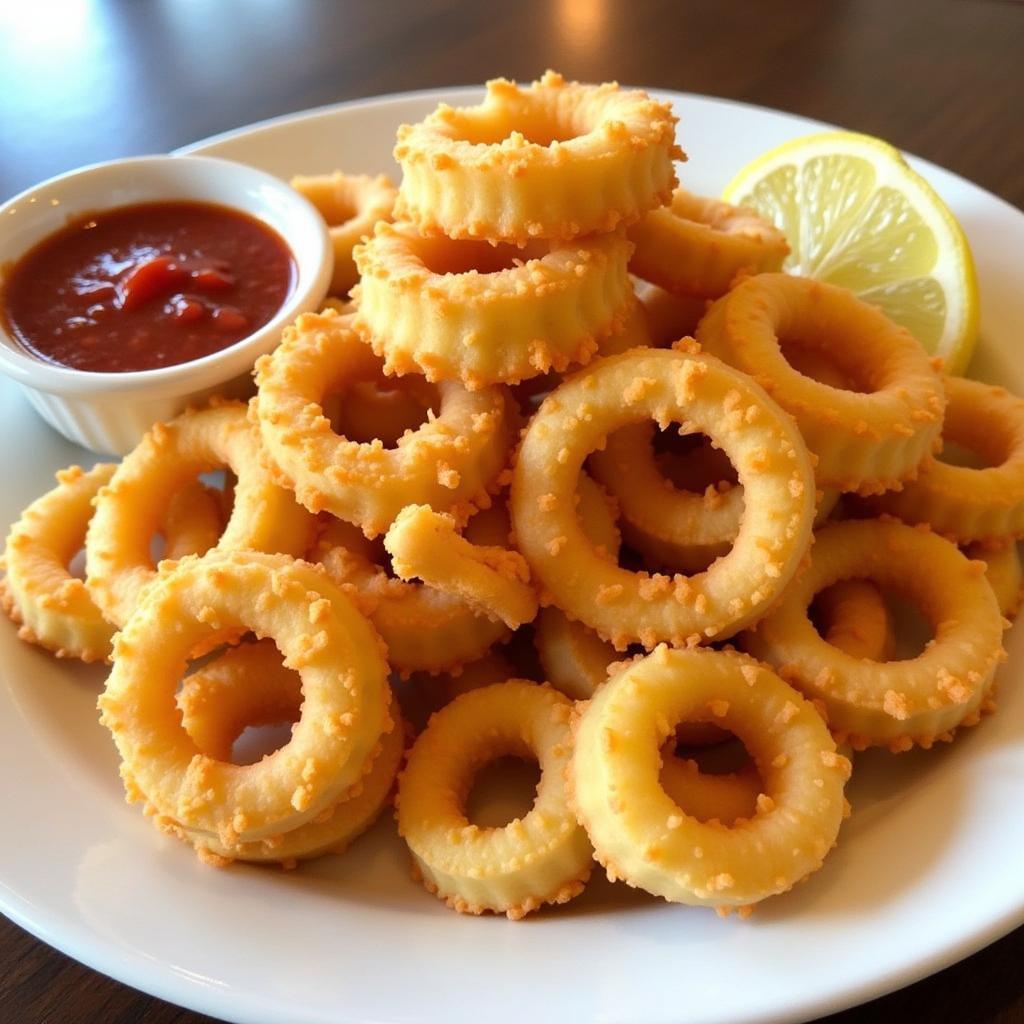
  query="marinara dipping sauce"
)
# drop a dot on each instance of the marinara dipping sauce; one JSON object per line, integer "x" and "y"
{"x": 144, "y": 286}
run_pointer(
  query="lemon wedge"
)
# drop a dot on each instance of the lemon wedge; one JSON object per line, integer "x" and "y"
{"x": 855, "y": 214}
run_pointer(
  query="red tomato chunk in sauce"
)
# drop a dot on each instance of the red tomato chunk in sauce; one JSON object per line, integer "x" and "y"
{"x": 144, "y": 286}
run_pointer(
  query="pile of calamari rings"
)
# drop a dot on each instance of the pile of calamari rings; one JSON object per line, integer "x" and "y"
{"x": 566, "y": 470}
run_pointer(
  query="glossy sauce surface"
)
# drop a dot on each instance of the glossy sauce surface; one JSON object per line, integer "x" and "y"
{"x": 145, "y": 286}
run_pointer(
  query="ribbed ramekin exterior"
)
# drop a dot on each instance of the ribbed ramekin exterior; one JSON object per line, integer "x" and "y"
{"x": 113, "y": 424}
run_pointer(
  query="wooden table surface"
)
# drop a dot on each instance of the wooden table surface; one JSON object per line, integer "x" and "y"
{"x": 81, "y": 82}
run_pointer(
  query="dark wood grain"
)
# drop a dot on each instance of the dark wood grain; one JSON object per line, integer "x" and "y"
{"x": 88, "y": 82}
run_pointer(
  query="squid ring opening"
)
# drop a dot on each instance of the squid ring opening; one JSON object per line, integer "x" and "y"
{"x": 705, "y": 796}
{"x": 646, "y": 838}
{"x": 697, "y": 246}
{"x": 896, "y": 703}
{"x": 448, "y": 463}
{"x": 321, "y": 635}
{"x": 264, "y": 516}
{"x": 194, "y": 520}
{"x": 543, "y": 857}
{"x": 248, "y": 686}
{"x": 351, "y": 204}
{"x": 53, "y": 608}
{"x": 683, "y": 529}
{"x": 555, "y": 159}
{"x": 868, "y": 440}
{"x": 487, "y": 314}
{"x": 702, "y": 395}
{"x": 383, "y": 410}
{"x": 682, "y": 519}
{"x": 423, "y": 628}
{"x": 493, "y": 580}
{"x": 853, "y": 616}
{"x": 963, "y": 502}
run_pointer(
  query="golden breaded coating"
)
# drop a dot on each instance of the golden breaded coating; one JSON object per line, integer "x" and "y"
{"x": 866, "y": 440}
{"x": 489, "y": 314}
{"x": 701, "y": 394}
{"x": 643, "y": 836}
{"x": 495, "y": 581}
{"x": 249, "y": 685}
{"x": 543, "y": 857}
{"x": 425, "y": 629}
{"x": 553, "y": 159}
{"x": 321, "y": 635}
{"x": 896, "y": 704}
{"x": 698, "y": 246}
{"x": 450, "y": 462}
{"x": 131, "y": 507}
{"x": 971, "y": 503}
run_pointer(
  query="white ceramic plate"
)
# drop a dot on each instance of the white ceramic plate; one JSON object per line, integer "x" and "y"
{"x": 927, "y": 871}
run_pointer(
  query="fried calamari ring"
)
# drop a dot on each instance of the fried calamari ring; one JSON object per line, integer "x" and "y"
{"x": 450, "y": 462}
{"x": 854, "y": 617}
{"x": 868, "y": 440}
{"x": 489, "y": 314}
{"x": 129, "y": 509}
{"x": 815, "y": 364}
{"x": 960, "y": 501}
{"x": 1003, "y": 571}
{"x": 249, "y": 686}
{"x": 702, "y": 394}
{"x": 896, "y": 703}
{"x": 543, "y": 857}
{"x": 697, "y": 246}
{"x": 351, "y": 204}
{"x": 424, "y": 629}
{"x": 642, "y": 836}
{"x": 51, "y": 607}
{"x": 556, "y": 159}
{"x": 321, "y": 635}
{"x": 54, "y": 608}
{"x": 493, "y": 580}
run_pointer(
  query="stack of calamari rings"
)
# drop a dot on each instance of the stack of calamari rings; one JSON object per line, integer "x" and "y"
{"x": 568, "y": 470}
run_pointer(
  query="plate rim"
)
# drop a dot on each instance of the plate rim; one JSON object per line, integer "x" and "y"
{"x": 161, "y": 980}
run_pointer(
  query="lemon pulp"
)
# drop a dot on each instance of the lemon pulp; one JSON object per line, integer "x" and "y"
{"x": 855, "y": 214}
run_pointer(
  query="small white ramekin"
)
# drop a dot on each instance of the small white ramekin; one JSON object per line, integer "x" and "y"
{"x": 109, "y": 412}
